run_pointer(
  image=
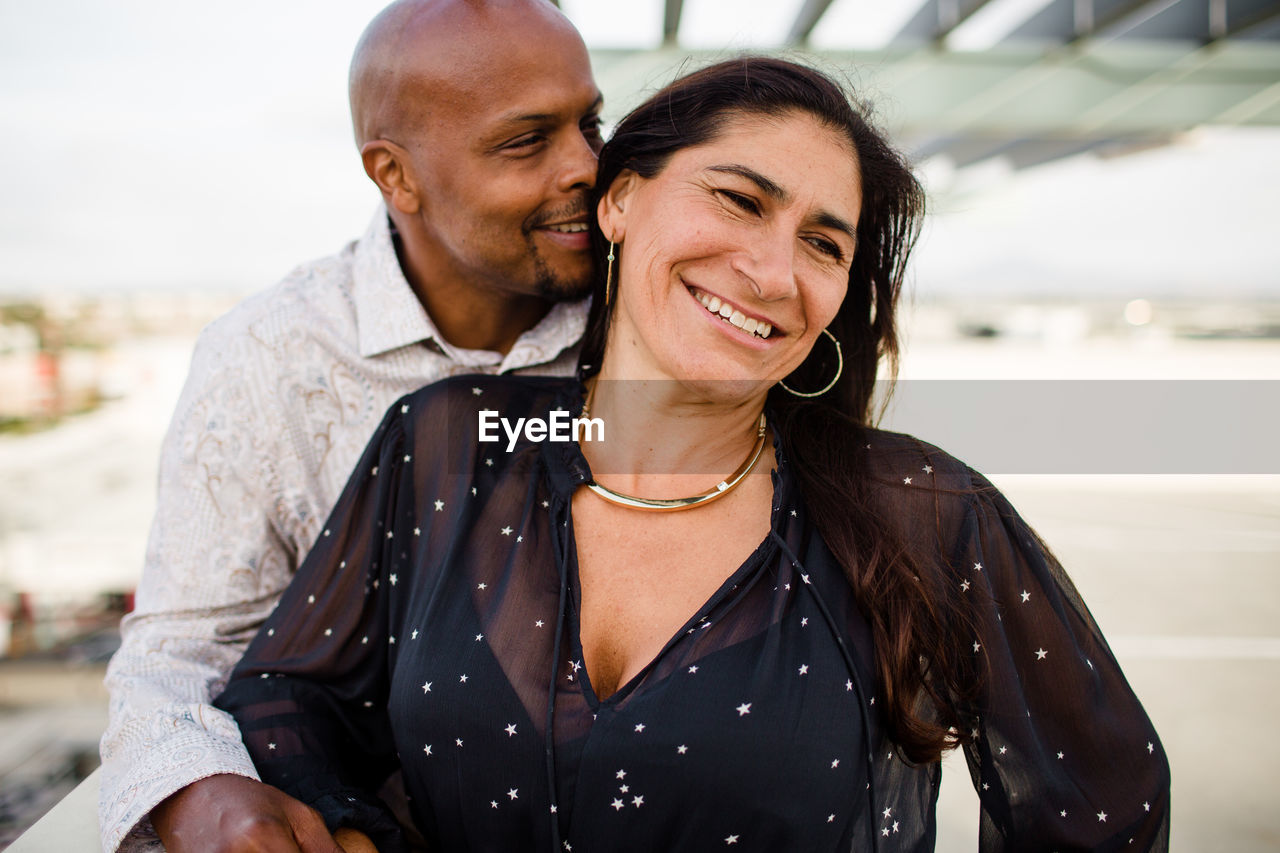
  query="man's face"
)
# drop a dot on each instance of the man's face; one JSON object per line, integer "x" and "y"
{"x": 504, "y": 164}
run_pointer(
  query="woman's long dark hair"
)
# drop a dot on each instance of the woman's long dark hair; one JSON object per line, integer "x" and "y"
{"x": 905, "y": 605}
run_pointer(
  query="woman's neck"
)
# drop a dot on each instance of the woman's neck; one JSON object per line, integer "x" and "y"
{"x": 664, "y": 438}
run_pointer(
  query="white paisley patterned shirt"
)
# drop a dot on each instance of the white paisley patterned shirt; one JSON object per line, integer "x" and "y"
{"x": 283, "y": 394}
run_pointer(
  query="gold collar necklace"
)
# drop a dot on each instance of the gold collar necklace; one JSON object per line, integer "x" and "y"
{"x": 672, "y": 504}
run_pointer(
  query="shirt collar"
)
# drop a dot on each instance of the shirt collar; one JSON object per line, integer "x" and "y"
{"x": 389, "y": 314}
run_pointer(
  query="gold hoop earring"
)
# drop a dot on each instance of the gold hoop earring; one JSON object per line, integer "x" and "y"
{"x": 608, "y": 277}
{"x": 829, "y": 385}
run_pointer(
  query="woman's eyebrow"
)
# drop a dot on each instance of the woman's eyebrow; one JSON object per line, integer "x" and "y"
{"x": 777, "y": 193}
{"x": 766, "y": 186}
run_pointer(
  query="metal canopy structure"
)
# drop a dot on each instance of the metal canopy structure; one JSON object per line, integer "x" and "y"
{"x": 1063, "y": 77}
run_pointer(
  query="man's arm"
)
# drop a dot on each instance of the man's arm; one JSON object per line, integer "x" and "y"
{"x": 216, "y": 562}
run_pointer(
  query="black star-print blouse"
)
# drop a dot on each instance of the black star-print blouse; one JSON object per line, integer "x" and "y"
{"x": 434, "y": 628}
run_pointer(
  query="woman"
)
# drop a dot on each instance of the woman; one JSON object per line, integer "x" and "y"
{"x": 773, "y": 663}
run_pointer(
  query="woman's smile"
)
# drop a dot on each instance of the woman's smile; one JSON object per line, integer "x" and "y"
{"x": 754, "y": 325}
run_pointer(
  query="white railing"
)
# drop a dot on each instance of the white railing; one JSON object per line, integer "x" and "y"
{"x": 69, "y": 827}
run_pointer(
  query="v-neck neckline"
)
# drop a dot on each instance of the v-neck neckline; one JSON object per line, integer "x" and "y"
{"x": 758, "y": 557}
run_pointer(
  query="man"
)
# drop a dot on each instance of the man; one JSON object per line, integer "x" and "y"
{"x": 479, "y": 122}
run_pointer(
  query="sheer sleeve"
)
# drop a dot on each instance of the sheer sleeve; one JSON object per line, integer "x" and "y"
{"x": 310, "y": 694}
{"x": 1064, "y": 756}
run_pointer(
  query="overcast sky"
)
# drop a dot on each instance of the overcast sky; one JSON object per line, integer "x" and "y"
{"x": 145, "y": 143}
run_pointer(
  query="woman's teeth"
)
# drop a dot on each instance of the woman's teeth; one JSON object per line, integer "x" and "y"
{"x": 726, "y": 312}
{"x": 568, "y": 227}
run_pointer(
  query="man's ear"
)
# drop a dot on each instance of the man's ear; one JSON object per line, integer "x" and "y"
{"x": 387, "y": 165}
{"x": 612, "y": 209}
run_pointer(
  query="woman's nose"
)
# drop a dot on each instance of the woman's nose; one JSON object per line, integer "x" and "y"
{"x": 769, "y": 264}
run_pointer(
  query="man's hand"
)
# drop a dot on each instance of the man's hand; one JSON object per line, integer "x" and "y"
{"x": 235, "y": 814}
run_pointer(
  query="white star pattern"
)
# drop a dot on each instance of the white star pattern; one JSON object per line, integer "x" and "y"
{"x": 639, "y": 727}
{"x": 482, "y": 586}
{"x": 458, "y": 741}
{"x": 462, "y": 678}
{"x": 426, "y": 687}
{"x": 1026, "y": 596}
{"x": 414, "y": 635}
{"x": 1040, "y": 654}
{"x": 1061, "y": 756}
{"x": 439, "y": 506}
{"x": 804, "y": 669}
{"x": 732, "y": 839}
{"x": 621, "y": 774}
{"x": 964, "y": 586}
{"x": 743, "y": 709}
{"x": 506, "y": 531}
{"x": 906, "y": 481}
{"x": 804, "y": 621}
{"x": 514, "y": 793}
{"x": 328, "y": 632}
{"x": 622, "y": 789}
{"x": 271, "y": 746}
{"x": 887, "y": 813}
{"x": 831, "y": 818}
{"x": 682, "y": 749}
{"x": 618, "y": 805}
{"x": 835, "y": 762}
{"x": 693, "y": 670}
{"x": 977, "y": 567}
{"x": 1151, "y": 747}
{"x": 1102, "y": 817}
{"x": 977, "y": 646}
{"x": 538, "y": 624}
{"x": 404, "y": 410}
{"x": 417, "y": 531}
{"x": 1003, "y": 750}
{"x": 1063, "y": 812}
{"x": 479, "y": 637}
{"x": 637, "y": 800}
{"x": 477, "y": 391}
{"x": 493, "y": 804}
{"x": 426, "y": 750}
{"x": 394, "y": 580}
{"x": 928, "y": 469}
{"x": 510, "y": 730}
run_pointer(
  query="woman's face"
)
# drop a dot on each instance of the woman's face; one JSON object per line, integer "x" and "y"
{"x": 736, "y": 255}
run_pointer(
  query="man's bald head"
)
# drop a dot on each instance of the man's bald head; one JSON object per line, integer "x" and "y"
{"x": 419, "y": 52}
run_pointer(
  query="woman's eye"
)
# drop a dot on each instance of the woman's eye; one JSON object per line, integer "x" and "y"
{"x": 827, "y": 247}
{"x": 741, "y": 201}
